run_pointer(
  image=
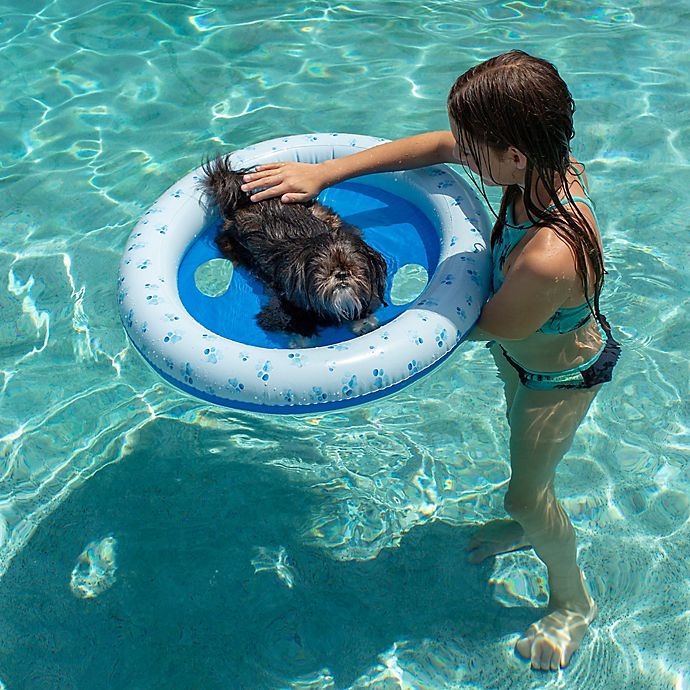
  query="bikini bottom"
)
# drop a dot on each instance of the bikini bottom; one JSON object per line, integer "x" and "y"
{"x": 597, "y": 370}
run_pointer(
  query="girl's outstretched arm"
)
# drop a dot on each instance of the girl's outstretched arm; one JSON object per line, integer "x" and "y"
{"x": 303, "y": 181}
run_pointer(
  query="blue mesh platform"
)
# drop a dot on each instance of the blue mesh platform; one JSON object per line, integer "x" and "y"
{"x": 389, "y": 223}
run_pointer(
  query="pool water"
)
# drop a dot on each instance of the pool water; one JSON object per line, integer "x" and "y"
{"x": 148, "y": 540}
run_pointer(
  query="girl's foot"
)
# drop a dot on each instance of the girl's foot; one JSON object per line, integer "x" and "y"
{"x": 494, "y": 537}
{"x": 550, "y": 642}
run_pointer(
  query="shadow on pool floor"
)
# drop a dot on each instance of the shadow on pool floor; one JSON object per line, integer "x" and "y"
{"x": 188, "y": 610}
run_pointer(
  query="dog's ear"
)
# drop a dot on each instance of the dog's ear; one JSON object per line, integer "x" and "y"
{"x": 380, "y": 273}
{"x": 350, "y": 229}
{"x": 326, "y": 215}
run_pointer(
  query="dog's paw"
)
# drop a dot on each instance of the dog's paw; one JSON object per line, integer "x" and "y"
{"x": 362, "y": 326}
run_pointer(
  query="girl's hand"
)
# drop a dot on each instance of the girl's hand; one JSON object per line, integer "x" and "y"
{"x": 290, "y": 181}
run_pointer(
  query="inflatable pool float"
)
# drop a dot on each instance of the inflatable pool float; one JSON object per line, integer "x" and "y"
{"x": 206, "y": 341}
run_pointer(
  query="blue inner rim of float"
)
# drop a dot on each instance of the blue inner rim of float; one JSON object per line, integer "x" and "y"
{"x": 390, "y": 224}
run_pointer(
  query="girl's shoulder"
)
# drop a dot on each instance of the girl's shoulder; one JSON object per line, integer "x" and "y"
{"x": 547, "y": 254}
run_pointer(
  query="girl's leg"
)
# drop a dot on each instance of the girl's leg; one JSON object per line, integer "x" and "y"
{"x": 507, "y": 374}
{"x": 499, "y": 536}
{"x": 542, "y": 425}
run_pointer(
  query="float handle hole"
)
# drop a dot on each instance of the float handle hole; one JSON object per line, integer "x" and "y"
{"x": 409, "y": 282}
{"x": 213, "y": 278}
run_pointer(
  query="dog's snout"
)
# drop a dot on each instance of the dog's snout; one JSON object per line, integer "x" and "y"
{"x": 341, "y": 275}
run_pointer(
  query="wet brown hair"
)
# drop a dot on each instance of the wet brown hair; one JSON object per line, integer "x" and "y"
{"x": 519, "y": 100}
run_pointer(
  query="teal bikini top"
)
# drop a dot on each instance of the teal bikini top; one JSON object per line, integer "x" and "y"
{"x": 564, "y": 320}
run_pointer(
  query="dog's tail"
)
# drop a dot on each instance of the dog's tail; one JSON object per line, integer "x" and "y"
{"x": 222, "y": 185}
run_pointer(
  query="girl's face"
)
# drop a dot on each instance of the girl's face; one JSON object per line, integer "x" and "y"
{"x": 497, "y": 168}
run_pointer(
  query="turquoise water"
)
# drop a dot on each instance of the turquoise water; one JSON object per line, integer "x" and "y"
{"x": 148, "y": 540}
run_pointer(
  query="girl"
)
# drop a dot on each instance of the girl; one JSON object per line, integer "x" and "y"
{"x": 511, "y": 123}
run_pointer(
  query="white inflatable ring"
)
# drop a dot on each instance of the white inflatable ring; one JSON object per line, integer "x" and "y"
{"x": 310, "y": 379}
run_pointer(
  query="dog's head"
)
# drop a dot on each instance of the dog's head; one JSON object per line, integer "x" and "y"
{"x": 340, "y": 278}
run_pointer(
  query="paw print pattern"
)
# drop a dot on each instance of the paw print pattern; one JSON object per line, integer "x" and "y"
{"x": 474, "y": 277}
{"x": 172, "y": 317}
{"x": 211, "y": 355}
{"x": 262, "y": 373}
{"x": 172, "y": 338}
{"x": 349, "y": 385}
{"x": 441, "y": 338}
{"x": 289, "y": 396}
{"x": 144, "y": 264}
{"x": 187, "y": 374}
{"x": 235, "y": 385}
{"x": 168, "y": 364}
{"x": 378, "y": 377}
{"x": 296, "y": 359}
{"x": 413, "y": 366}
{"x": 461, "y": 313}
{"x": 162, "y": 230}
{"x": 339, "y": 347}
{"x": 448, "y": 279}
{"x": 153, "y": 299}
{"x": 317, "y": 394}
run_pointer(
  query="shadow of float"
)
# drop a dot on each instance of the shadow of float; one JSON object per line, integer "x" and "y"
{"x": 192, "y": 607}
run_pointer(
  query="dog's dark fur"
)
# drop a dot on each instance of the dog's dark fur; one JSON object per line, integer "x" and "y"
{"x": 318, "y": 270}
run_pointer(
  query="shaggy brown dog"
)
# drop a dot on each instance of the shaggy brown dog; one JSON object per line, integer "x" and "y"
{"x": 318, "y": 270}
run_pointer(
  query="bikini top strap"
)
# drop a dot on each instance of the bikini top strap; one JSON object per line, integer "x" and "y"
{"x": 583, "y": 199}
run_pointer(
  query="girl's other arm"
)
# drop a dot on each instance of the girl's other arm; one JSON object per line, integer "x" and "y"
{"x": 542, "y": 279}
